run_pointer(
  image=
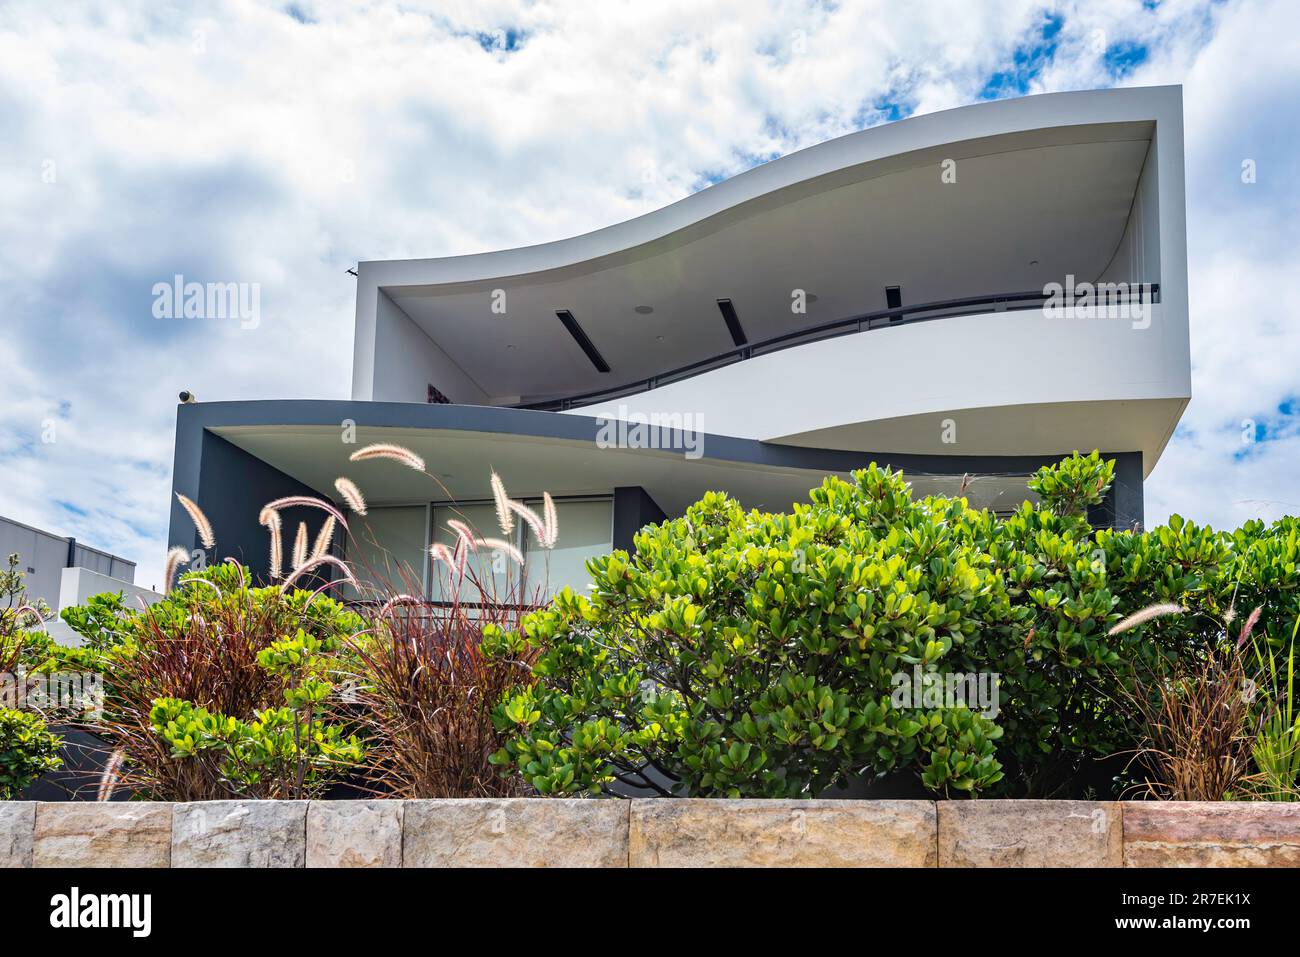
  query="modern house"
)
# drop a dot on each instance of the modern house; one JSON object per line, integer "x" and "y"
{"x": 965, "y": 295}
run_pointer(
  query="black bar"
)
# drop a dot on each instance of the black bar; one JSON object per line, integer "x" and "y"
{"x": 584, "y": 342}
{"x": 733, "y": 322}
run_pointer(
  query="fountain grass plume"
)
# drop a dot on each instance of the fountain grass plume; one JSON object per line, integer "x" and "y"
{"x": 505, "y": 516}
{"x": 324, "y": 539}
{"x": 200, "y": 521}
{"x": 1146, "y": 614}
{"x": 351, "y": 494}
{"x": 300, "y": 547}
{"x": 271, "y": 519}
{"x": 176, "y": 557}
{"x": 385, "y": 450}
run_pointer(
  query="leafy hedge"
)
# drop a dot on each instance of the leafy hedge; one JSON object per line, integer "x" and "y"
{"x": 753, "y": 654}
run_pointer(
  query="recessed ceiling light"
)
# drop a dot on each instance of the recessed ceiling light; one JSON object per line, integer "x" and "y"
{"x": 1033, "y": 262}
{"x": 660, "y": 338}
{"x": 644, "y": 310}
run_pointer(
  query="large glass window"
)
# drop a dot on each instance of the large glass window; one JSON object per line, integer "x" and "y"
{"x": 585, "y": 531}
{"x": 497, "y": 574}
{"x": 386, "y": 550}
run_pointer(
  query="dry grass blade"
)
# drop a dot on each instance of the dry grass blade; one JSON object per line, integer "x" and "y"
{"x": 428, "y": 692}
{"x": 1197, "y": 728}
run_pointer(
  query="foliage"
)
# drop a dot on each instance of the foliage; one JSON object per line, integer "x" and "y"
{"x": 746, "y": 654}
{"x": 1276, "y": 752}
{"x": 1197, "y": 738}
{"x": 280, "y": 752}
{"x": 18, "y": 616}
{"x": 103, "y": 621}
{"x": 428, "y": 691}
{"x": 27, "y": 750}
{"x": 219, "y": 645}
{"x": 18, "y": 612}
{"x": 753, "y": 654}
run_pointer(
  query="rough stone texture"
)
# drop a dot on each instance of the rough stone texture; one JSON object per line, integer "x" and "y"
{"x": 102, "y": 834}
{"x": 1030, "y": 834}
{"x": 17, "y": 821}
{"x": 354, "y": 834}
{"x": 716, "y": 833}
{"x": 1211, "y": 834}
{"x": 240, "y": 834}
{"x": 515, "y": 832}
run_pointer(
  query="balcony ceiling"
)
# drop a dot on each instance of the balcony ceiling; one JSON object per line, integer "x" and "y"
{"x": 463, "y": 461}
{"x": 1026, "y": 209}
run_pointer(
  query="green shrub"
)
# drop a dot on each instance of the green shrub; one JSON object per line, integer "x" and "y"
{"x": 280, "y": 752}
{"x": 103, "y": 621}
{"x": 27, "y": 750}
{"x": 750, "y": 654}
{"x": 230, "y": 658}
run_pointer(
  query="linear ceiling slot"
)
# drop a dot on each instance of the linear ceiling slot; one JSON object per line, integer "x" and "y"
{"x": 583, "y": 341}
{"x": 733, "y": 322}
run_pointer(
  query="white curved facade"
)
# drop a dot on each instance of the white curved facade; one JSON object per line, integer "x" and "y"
{"x": 968, "y": 204}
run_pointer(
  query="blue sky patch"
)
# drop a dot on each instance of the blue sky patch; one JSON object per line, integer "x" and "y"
{"x": 298, "y": 13}
{"x": 1026, "y": 63}
{"x": 1272, "y": 428}
{"x": 501, "y": 41}
{"x": 1124, "y": 57}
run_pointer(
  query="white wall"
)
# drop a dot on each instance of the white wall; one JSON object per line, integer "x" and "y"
{"x": 405, "y": 361}
{"x": 78, "y": 584}
{"x": 968, "y": 362}
{"x": 1137, "y": 259}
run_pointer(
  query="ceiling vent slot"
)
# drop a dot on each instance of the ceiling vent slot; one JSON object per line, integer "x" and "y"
{"x": 583, "y": 341}
{"x": 733, "y": 322}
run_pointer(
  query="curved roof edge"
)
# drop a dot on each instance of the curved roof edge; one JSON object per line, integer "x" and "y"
{"x": 992, "y": 118}
{"x": 191, "y": 419}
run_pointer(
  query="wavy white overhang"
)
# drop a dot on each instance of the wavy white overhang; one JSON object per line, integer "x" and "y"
{"x": 1086, "y": 184}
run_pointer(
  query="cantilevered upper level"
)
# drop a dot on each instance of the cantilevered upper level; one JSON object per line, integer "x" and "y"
{"x": 852, "y": 295}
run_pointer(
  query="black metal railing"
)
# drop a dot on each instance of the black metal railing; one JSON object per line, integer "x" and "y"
{"x": 884, "y": 318}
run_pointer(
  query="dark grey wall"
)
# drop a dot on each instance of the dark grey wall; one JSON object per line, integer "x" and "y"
{"x": 633, "y": 510}
{"x": 1123, "y": 506}
{"x": 230, "y": 486}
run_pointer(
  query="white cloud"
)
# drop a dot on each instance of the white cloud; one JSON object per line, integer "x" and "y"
{"x": 233, "y": 142}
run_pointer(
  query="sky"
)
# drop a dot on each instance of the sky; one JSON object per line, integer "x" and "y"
{"x": 279, "y": 144}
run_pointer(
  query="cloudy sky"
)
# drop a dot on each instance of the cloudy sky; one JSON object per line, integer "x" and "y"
{"x": 281, "y": 143}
